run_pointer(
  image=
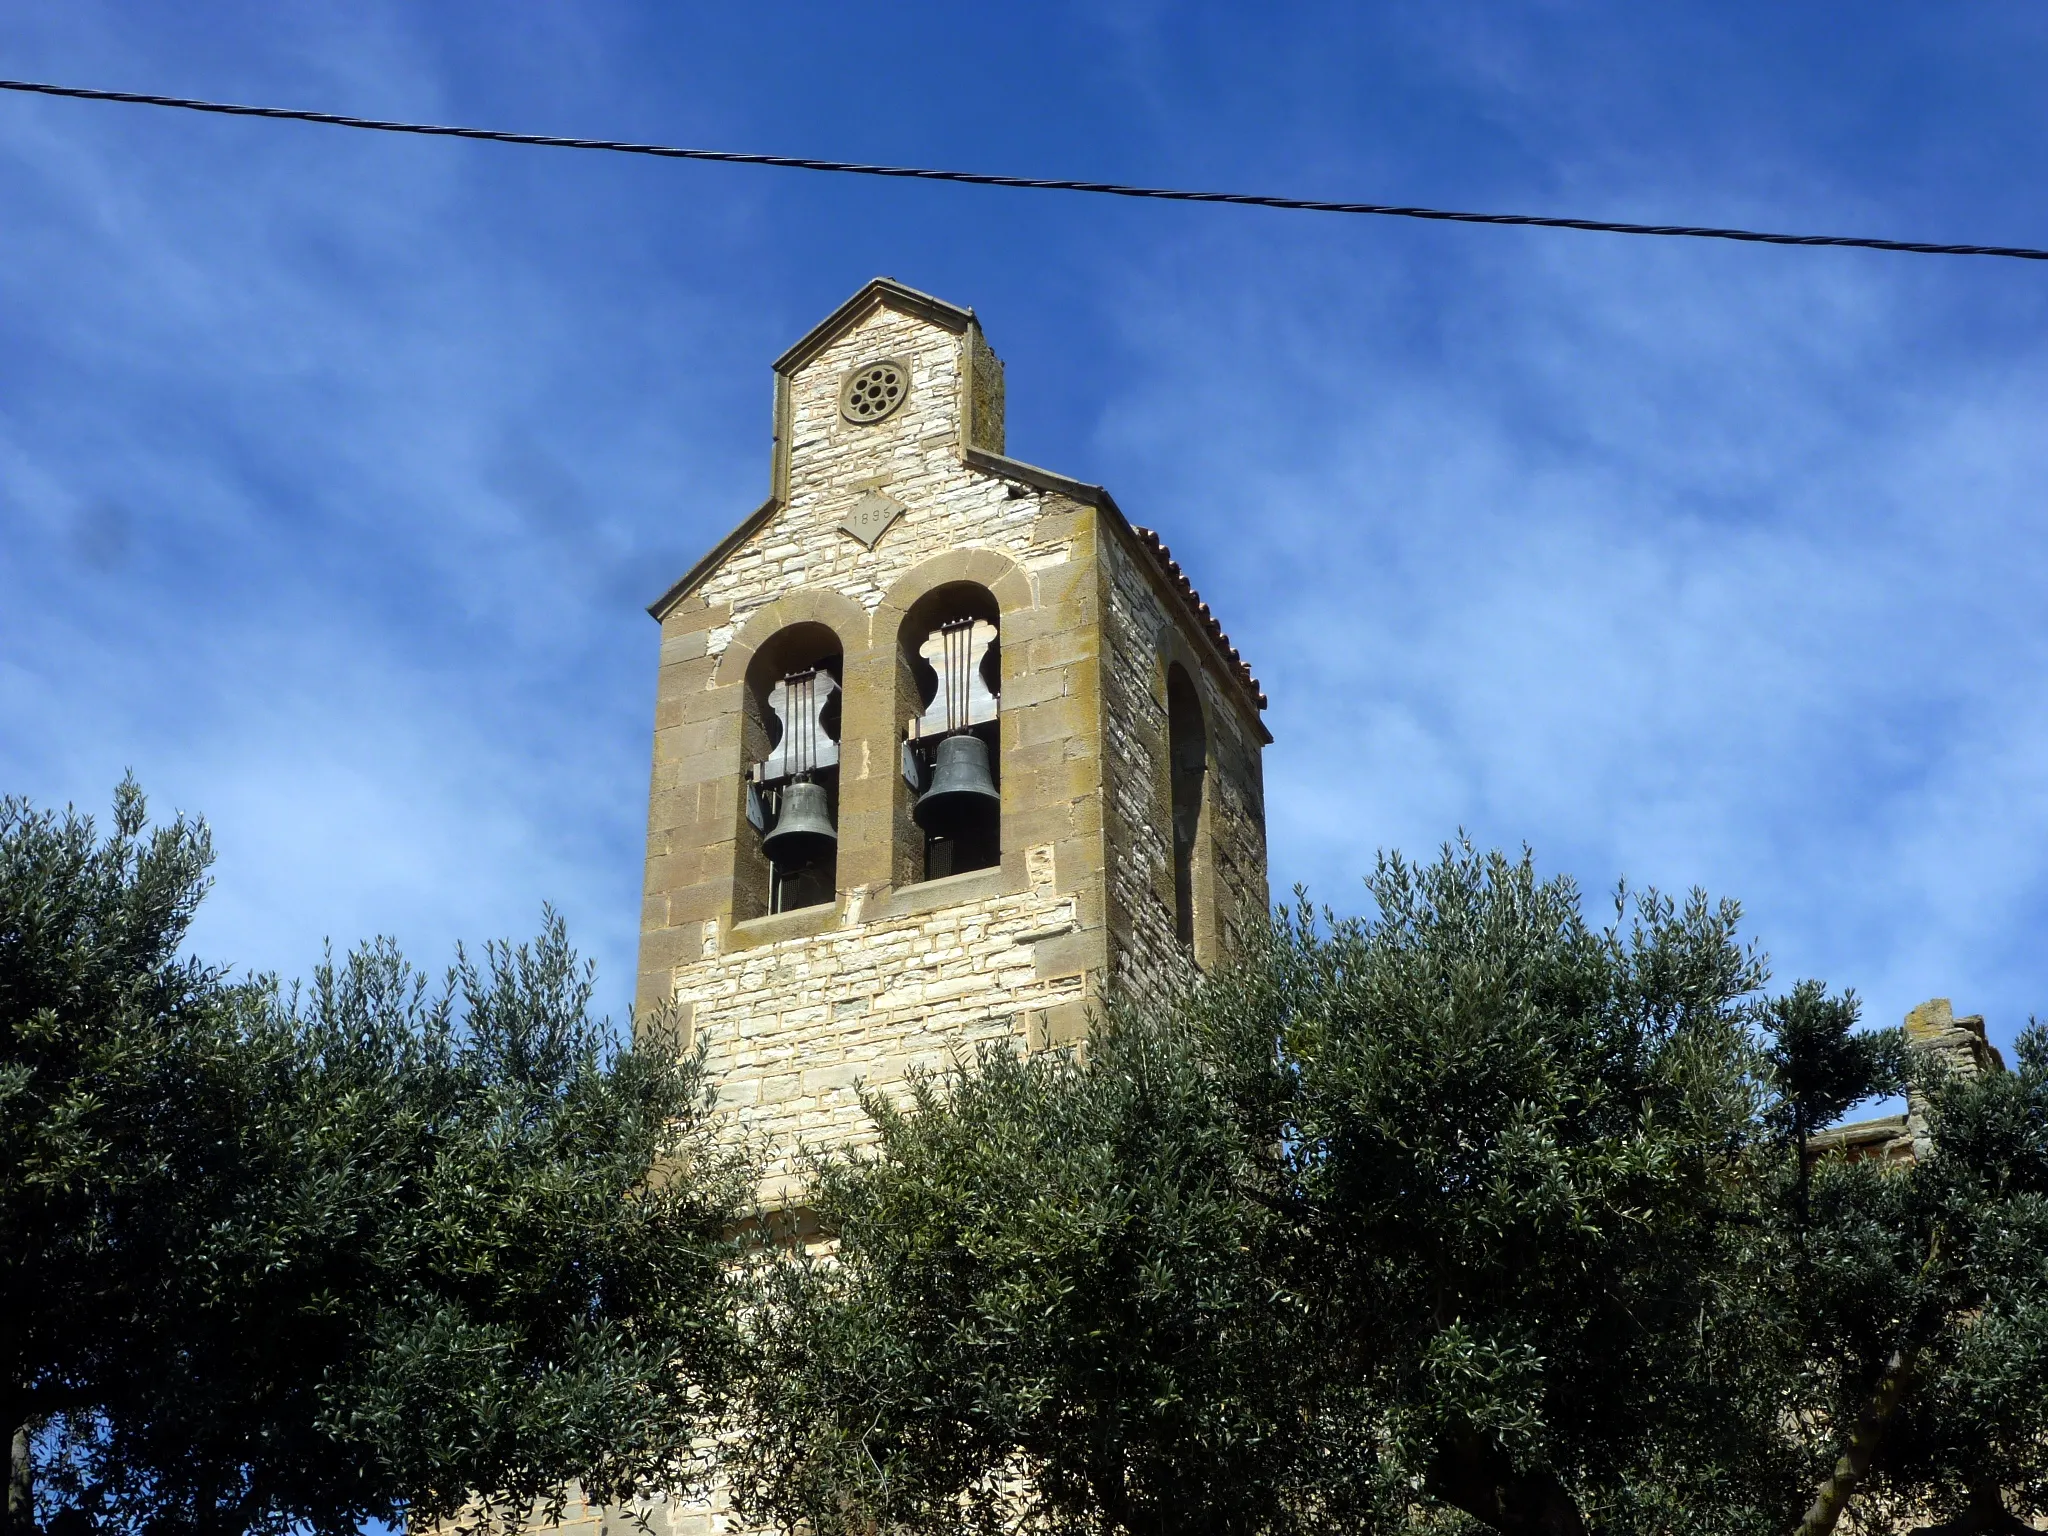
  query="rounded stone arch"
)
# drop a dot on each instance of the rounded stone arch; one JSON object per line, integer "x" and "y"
{"x": 992, "y": 585}
{"x": 1183, "y": 693}
{"x": 1173, "y": 649}
{"x": 1002, "y": 577}
{"x": 807, "y": 605}
{"x": 797, "y": 629}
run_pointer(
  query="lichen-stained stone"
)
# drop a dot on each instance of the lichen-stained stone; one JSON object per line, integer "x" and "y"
{"x": 1963, "y": 1047}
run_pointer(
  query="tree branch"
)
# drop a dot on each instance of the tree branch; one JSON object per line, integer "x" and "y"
{"x": 1864, "y": 1440}
{"x": 1482, "y": 1482}
{"x": 1870, "y": 1429}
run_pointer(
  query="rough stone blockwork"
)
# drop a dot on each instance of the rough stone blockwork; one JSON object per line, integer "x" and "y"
{"x": 1145, "y": 637}
{"x": 795, "y": 1027}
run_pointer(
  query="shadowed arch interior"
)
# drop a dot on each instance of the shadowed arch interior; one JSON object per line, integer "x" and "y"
{"x": 1187, "y": 765}
{"x": 950, "y": 662}
{"x": 789, "y": 736}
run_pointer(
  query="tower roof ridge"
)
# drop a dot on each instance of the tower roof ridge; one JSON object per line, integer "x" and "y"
{"x": 1151, "y": 540}
{"x": 873, "y": 295}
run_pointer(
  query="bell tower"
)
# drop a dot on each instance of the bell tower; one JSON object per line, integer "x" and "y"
{"x": 945, "y": 749}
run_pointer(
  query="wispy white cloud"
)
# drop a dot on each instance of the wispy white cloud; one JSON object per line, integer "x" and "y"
{"x": 1689, "y": 568}
{"x": 334, "y": 470}
{"x": 302, "y": 529}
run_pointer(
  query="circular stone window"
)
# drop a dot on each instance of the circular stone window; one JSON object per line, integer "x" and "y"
{"x": 874, "y": 389}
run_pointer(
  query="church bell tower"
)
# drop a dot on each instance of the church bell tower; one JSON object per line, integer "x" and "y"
{"x": 945, "y": 749}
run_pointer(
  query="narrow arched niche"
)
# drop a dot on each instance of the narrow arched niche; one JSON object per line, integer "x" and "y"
{"x": 789, "y": 737}
{"x": 1187, "y": 754}
{"x": 949, "y": 665}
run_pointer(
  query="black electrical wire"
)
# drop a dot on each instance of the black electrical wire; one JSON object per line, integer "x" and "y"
{"x": 1041, "y": 184}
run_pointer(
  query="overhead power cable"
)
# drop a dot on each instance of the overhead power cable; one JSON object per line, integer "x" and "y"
{"x": 1030, "y": 183}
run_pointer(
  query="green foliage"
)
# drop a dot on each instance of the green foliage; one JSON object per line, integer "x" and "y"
{"x": 1470, "y": 1215}
{"x": 1963, "y": 1282}
{"x": 1528, "y": 1153}
{"x": 340, "y": 1254}
{"x": 1820, "y": 1064}
{"x": 91, "y": 986}
{"x": 1048, "y": 1287}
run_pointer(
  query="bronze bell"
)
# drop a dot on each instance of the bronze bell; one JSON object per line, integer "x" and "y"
{"x": 963, "y": 792}
{"x": 803, "y": 827}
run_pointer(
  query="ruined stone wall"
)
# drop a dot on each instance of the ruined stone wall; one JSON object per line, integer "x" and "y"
{"x": 1961, "y": 1045}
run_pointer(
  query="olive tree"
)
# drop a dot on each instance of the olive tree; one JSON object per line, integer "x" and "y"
{"x": 376, "y": 1248}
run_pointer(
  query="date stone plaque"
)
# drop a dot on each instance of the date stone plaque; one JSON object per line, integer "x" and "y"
{"x": 869, "y": 518}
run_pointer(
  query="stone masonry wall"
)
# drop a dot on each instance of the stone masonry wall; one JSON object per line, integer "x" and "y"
{"x": 796, "y": 1007}
{"x": 1141, "y": 637}
{"x": 794, "y": 1029}
{"x": 913, "y": 456}
{"x": 1148, "y": 956}
{"x": 1234, "y": 821}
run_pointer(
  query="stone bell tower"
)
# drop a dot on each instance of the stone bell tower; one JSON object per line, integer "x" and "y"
{"x": 945, "y": 749}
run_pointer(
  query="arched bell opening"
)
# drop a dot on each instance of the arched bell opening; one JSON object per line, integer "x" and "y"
{"x": 950, "y": 653}
{"x": 1187, "y": 753}
{"x": 789, "y": 842}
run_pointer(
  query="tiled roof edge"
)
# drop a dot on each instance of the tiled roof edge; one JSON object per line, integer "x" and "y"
{"x": 1147, "y": 540}
{"x": 1210, "y": 622}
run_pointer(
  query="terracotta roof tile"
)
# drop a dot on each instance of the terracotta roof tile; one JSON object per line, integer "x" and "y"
{"x": 1157, "y": 545}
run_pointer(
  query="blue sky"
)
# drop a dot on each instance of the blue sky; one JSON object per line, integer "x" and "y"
{"x": 336, "y": 470}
